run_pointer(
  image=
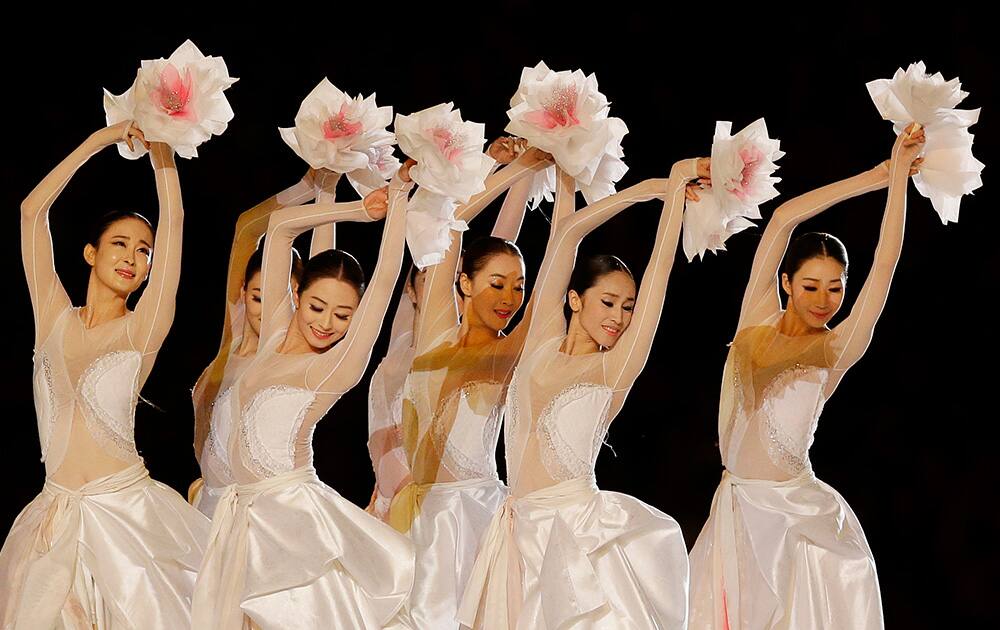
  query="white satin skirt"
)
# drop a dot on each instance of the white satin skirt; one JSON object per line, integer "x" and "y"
{"x": 290, "y": 553}
{"x": 573, "y": 556}
{"x": 120, "y": 552}
{"x": 782, "y": 554}
{"x": 207, "y": 498}
{"x": 447, "y": 527}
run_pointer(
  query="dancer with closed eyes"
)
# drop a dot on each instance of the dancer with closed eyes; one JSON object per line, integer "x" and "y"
{"x": 453, "y": 395}
{"x": 385, "y": 394}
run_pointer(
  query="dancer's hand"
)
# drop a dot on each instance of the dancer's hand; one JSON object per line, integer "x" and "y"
{"x": 126, "y": 131}
{"x": 377, "y": 203}
{"x": 704, "y": 179}
{"x": 404, "y": 170}
{"x": 506, "y": 149}
{"x": 908, "y": 146}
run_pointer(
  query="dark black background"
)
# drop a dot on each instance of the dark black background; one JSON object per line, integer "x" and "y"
{"x": 902, "y": 439}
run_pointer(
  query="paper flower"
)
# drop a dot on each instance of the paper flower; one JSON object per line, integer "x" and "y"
{"x": 742, "y": 168}
{"x": 564, "y": 114}
{"x": 178, "y": 101}
{"x": 949, "y": 170}
{"x": 451, "y": 167}
{"x": 345, "y": 135}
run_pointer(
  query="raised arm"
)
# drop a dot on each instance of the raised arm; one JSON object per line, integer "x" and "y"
{"x": 283, "y": 227}
{"x": 761, "y": 298}
{"x": 625, "y": 361}
{"x": 342, "y": 367}
{"x": 565, "y": 196}
{"x": 154, "y": 313}
{"x": 546, "y": 320}
{"x": 511, "y": 216}
{"x": 438, "y": 312}
{"x": 48, "y": 297}
{"x": 324, "y": 237}
{"x": 852, "y": 336}
{"x": 250, "y": 227}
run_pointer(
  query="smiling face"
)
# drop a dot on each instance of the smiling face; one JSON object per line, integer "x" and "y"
{"x": 495, "y": 292}
{"x": 121, "y": 258}
{"x": 324, "y": 312}
{"x": 604, "y": 311}
{"x": 816, "y": 290}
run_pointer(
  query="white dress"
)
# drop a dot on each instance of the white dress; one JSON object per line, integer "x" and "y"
{"x": 561, "y": 553}
{"x": 215, "y": 470}
{"x": 73, "y": 556}
{"x": 286, "y": 551}
{"x": 781, "y": 549}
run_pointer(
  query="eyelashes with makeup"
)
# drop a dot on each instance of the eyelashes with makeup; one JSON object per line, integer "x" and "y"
{"x": 627, "y": 307}
{"x": 499, "y": 287}
{"x": 831, "y": 289}
{"x": 343, "y": 318}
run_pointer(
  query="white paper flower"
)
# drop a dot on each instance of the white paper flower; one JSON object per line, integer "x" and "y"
{"x": 949, "y": 170}
{"x": 742, "y": 179}
{"x": 345, "y": 135}
{"x": 565, "y": 114}
{"x": 451, "y": 167}
{"x": 178, "y": 101}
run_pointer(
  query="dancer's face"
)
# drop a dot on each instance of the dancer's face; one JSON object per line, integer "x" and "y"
{"x": 495, "y": 293}
{"x": 123, "y": 255}
{"x": 324, "y": 312}
{"x": 415, "y": 290}
{"x": 252, "y": 304}
{"x": 604, "y": 311}
{"x": 816, "y": 291}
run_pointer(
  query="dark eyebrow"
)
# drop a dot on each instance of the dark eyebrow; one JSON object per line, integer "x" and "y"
{"x": 145, "y": 243}
{"x": 318, "y": 300}
{"x": 818, "y": 280}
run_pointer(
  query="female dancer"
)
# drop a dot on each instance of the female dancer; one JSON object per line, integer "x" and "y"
{"x": 385, "y": 394}
{"x": 782, "y": 549}
{"x": 287, "y": 551}
{"x": 241, "y": 333}
{"x": 452, "y": 405}
{"x": 71, "y": 557}
{"x": 560, "y": 552}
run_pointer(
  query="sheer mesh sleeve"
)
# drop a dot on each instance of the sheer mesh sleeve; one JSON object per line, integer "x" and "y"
{"x": 324, "y": 237}
{"x": 761, "y": 298}
{"x": 511, "y": 216}
{"x": 154, "y": 313}
{"x": 438, "y": 312}
{"x": 851, "y": 337}
{"x": 560, "y": 254}
{"x": 342, "y": 367}
{"x": 625, "y": 361}
{"x": 250, "y": 227}
{"x": 48, "y": 297}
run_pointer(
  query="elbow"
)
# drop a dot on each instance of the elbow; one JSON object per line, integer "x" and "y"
{"x": 30, "y": 208}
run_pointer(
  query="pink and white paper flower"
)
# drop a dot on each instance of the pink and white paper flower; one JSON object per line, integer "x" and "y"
{"x": 949, "y": 170}
{"x": 742, "y": 179}
{"x": 565, "y": 114}
{"x": 451, "y": 168}
{"x": 178, "y": 101}
{"x": 345, "y": 135}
